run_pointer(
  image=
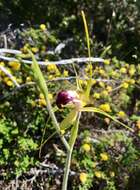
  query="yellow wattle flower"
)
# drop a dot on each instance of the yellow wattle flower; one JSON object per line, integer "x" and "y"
{"x": 2, "y": 63}
{"x": 104, "y": 156}
{"x": 65, "y": 73}
{"x": 104, "y": 93}
{"x": 101, "y": 84}
{"x": 125, "y": 85}
{"x": 42, "y": 27}
{"x": 28, "y": 79}
{"x": 98, "y": 174}
{"x": 9, "y": 83}
{"x": 106, "y": 61}
{"x": 42, "y": 102}
{"x": 34, "y": 49}
{"x": 96, "y": 95}
{"x": 83, "y": 177}
{"x": 132, "y": 81}
{"x": 123, "y": 70}
{"x": 86, "y": 147}
{"x": 105, "y": 107}
{"x": 132, "y": 71}
{"x": 121, "y": 114}
{"x": 109, "y": 88}
{"x": 15, "y": 65}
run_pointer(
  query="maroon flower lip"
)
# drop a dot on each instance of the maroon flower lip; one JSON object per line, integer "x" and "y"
{"x": 64, "y": 97}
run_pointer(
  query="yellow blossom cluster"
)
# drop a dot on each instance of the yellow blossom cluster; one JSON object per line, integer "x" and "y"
{"x": 65, "y": 73}
{"x": 14, "y": 65}
{"x": 132, "y": 70}
{"x": 102, "y": 72}
{"x": 104, "y": 156}
{"x": 34, "y": 49}
{"x": 83, "y": 177}
{"x": 28, "y": 79}
{"x": 42, "y": 101}
{"x": 132, "y": 81}
{"x": 86, "y": 147}
{"x": 53, "y": 71}
{"x": 106, "y": 61}
{"x": 104, "y": 93}
{"x": 105, "y": 107}
{"x": 43, "y": 27}
{"x": 93, "y": 82}
{"x": 125, "y": 85}
{"x": 121, "y": 114}
{"x": 109, "y": 88}
{"x": 96, "y": 95}
{"x": 8, "y": 81}
{"x": 102, "y": 84}
{"x": 99, "y": 174}
{"x": 123, "y": 70}
{"x": 4, "y": 77}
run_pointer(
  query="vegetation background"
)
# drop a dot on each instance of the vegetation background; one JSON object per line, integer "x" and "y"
{"x": 106, "y": 155}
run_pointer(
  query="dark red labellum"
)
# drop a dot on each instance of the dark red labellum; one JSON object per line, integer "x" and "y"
{"x": 63, "y": 98}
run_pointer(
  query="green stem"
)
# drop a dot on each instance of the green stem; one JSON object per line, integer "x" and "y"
{"x": 66, "y": 171}
{"x": 73, "y": 137}
{"x": 55, "y": 123}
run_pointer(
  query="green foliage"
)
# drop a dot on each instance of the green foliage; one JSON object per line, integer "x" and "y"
{"x": 114, "y": 151}
{"x": 24, "y": 118}
{"x": 106, "y": 162}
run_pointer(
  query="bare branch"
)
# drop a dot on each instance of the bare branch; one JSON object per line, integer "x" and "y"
{"x": 62, "y": 62}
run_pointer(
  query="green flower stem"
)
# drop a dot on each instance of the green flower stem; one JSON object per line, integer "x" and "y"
{"x": 73, "y": 137}
{"x": 55, "y": 123}
{"x": 66, "y": 170}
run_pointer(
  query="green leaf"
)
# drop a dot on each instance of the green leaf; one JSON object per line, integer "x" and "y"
{"x": 44, "y": 89}
{"x": 69, "y": 120}
{"x": 89, "y": 84}
{"x": 74, "y": 131}
{"x": 39, "y": 76}
{"x": 97, "y": 110}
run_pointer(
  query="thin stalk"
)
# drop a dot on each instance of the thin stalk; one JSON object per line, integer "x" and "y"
{"x": 69, "y": 152}
{"x": 55, "y": 123}
{"x": 67, "y": 169}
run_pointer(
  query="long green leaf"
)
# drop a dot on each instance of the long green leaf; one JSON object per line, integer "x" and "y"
{"x": 44, "y": 89}
{"x": 97, "y": 110}
{"x": 86, "y": 32}
{"x": 39, "y": 76}
{"x": 89, "y": 82}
